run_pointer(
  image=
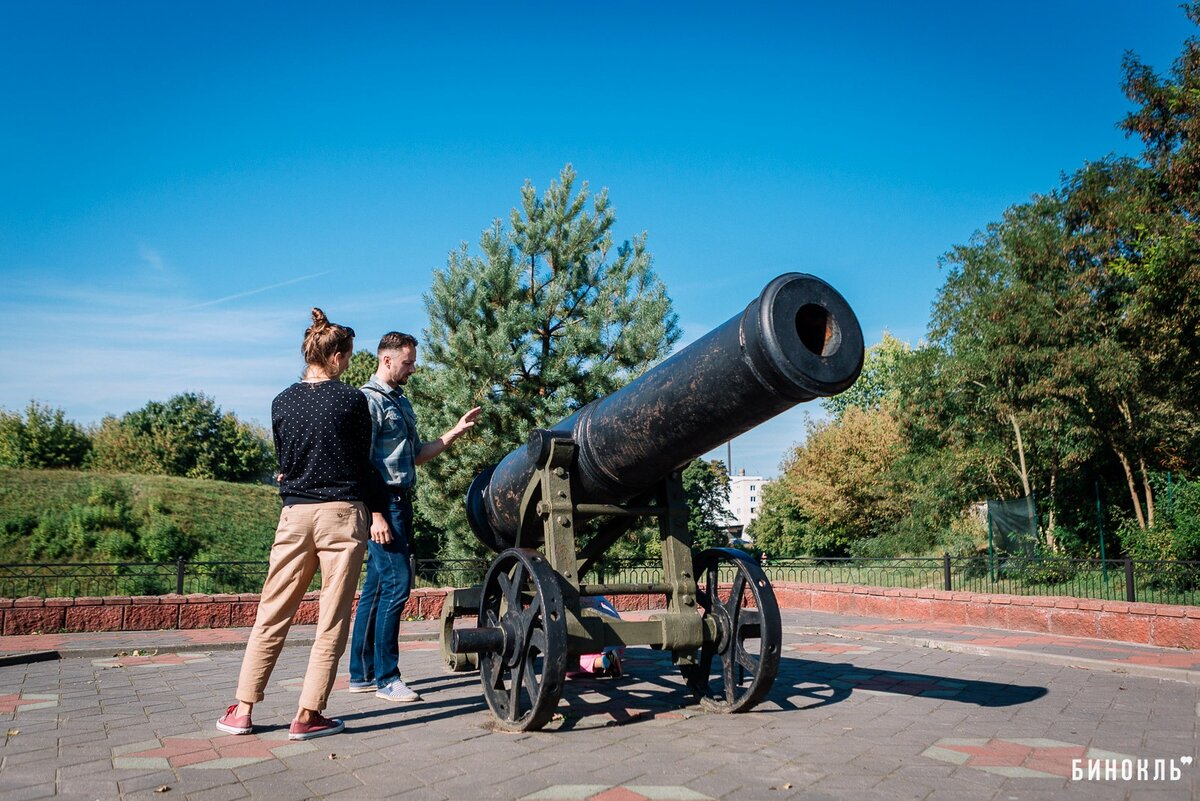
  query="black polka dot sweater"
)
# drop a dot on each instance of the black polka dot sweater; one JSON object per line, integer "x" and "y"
{"x": 322, "y": 434}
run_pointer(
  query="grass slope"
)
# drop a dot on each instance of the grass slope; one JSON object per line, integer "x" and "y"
{"x": 217, "y": 520}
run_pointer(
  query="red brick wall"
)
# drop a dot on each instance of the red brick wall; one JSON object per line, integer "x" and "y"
{"x": 144, "y": 613}
{"x": 1152, "y": 624}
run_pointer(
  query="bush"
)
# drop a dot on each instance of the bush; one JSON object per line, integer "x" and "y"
{"x": 17, "y": 529}
{"x": 825, "y": 543}
{"x": 1176, "y": 532}
{"x": 1048, "y": 567}
{"x": 163, "y": 541}
{"x": 1164, "y": 543}
{"x": 46, "y": 541}
{"x": 43, "y": 439}
{"x": 978, "y": 564}
{"x": 185, "y": 436}
{"x": 116, "y": 545}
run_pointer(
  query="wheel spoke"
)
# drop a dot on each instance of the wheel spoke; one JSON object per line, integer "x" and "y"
{"x": 748, "y": 625}
{"x": 528, "y": 617}
{"x": 535, "y": 647}
{"x": 514, "y": 690}
{"x": 746, "y": 659}
{"x": 736, "y": 591}
{"x": 533, "y": 682}
{"x": 491, "y": 670}
{"x": 727, "y": 675}
{"x": 516, "y": 587}
{"x": 493, "y": 666}
{"x": 505, "y": 586}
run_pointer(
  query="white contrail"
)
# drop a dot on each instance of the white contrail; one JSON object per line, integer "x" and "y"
{"x": 251, "y": 292}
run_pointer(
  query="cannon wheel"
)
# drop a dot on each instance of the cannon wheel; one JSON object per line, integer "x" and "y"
{"x": 749, "y": 633}
{"x": 523, "y": 681}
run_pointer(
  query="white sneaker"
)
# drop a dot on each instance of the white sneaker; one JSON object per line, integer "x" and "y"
{"x": 398, "y": 692}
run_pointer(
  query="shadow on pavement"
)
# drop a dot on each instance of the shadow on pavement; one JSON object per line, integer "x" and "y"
{"x": 830, "y": 682}
{"x": 429, "y": 709}
{"x": 652, "y": 687}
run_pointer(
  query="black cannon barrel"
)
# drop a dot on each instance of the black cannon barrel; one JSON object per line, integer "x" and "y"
{"x": 798, "y": 340}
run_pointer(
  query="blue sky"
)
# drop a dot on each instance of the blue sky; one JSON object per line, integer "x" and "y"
{"x": 180, "y": 182}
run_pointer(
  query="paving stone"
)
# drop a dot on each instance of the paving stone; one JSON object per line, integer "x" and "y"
{"x": 147, "y": 781}
{"x": 846, "y": 726}
{"x": 224, "y": 792}
{"x": 259, "y": 769}
{"x": 27, "y": 792}
{"x": 333, "y": 784}
{"x": 86, "y": 787}
{"x": 271, "y": 789}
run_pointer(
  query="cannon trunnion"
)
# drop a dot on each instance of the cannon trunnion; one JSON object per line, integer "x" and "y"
{"x": 618, "y": 459}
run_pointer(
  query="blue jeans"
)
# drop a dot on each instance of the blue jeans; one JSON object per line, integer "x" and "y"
{"x": 374, "y": 649}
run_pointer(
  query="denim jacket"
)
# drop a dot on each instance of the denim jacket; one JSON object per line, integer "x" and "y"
{"x": 395, "y": 441}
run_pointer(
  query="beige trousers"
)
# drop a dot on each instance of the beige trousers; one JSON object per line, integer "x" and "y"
{"x": 332, "y": 536}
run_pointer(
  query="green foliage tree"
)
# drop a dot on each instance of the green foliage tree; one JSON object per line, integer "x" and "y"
{"x": 362, "y": 366}
{"x": 706, "y": 485}
{"x": 1143, "y": 218}
{"x": 1014, "y": 329}
{"x": 835, "y": 492}
{"x": 549, "y": 316}
{"x": 44, "y": 438}
{"x": 878, "y": 382}
{"x": 185, "y": 436}
{"x": 1066, "y": 335}
{"x": 1064, "y": 347}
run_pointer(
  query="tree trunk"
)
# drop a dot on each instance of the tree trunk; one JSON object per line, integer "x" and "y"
{"x": 1012, "y": 418}
{"x": 1133, "y": 492}
{"x": 1051, "y": 541}
{"x": 1148, "y": 491}
{"x": 1146, "y": 520}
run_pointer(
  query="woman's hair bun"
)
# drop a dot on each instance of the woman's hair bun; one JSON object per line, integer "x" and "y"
{"x": 319, "y": 318}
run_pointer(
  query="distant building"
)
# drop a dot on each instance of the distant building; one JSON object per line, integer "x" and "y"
{"x": 745, "y": 500}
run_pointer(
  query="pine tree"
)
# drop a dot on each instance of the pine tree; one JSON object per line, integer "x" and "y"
{"x": 548, "y": 317}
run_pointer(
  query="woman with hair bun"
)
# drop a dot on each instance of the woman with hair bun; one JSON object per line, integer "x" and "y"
{"x": 322, "y": 431}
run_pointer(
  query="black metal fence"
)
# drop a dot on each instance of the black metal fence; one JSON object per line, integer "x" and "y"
{"x": 1122, "y": 579}
{"x": 1169, "y": 582}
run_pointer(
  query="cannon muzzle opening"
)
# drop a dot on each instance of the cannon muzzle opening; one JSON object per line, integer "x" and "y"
{"x": 798, "y": 340}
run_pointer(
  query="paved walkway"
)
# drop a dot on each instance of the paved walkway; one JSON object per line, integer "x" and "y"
{"x": 861, "y": 709}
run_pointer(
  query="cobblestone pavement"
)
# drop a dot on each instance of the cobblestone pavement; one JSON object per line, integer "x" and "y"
{"x": 861, "y": 709}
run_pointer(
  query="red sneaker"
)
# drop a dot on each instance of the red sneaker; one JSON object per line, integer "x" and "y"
{"x": 319, "y": 726}
{"x": 235, "y": 724}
